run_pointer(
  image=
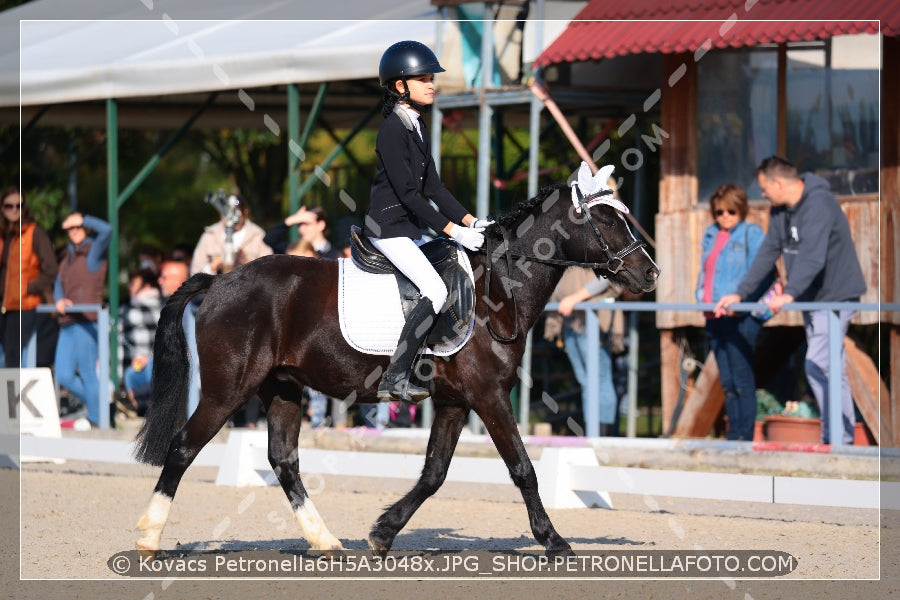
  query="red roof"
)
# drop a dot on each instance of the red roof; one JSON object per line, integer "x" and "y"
{"x": 608, "y": 28}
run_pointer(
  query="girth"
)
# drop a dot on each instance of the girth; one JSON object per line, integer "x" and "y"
{"x": 454, "y": 319}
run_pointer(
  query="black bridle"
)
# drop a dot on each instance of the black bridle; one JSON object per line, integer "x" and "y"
{"x": 614, "y": 262}
{"x": 612, "y": 265}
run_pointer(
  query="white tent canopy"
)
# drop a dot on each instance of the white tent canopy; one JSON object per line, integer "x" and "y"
{"x": 98, "y": 49}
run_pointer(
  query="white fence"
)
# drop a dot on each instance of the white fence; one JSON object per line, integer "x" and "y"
{"x": 568, "y": 477}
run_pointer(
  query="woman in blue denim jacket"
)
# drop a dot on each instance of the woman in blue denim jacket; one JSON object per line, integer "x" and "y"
{"x": 729, "y": 246}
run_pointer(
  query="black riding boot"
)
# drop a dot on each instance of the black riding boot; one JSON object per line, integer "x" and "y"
{"x": 395, "y": 382}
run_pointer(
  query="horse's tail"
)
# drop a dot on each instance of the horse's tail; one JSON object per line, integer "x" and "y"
{"x": 167, "y": 410}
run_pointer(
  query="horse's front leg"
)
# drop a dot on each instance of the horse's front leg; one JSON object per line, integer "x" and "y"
{"x": 500, "y": 422}
{"x": 445, "y": 430}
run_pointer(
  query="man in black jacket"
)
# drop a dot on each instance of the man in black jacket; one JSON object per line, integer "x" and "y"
{"x": 808, "y": 227}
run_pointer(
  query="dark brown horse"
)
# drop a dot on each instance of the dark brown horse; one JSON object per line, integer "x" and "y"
{"x": 271, "y": 327}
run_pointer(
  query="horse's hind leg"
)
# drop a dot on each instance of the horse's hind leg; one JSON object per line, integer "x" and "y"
{"x": 284, "y": 429}
{"x": 200, "y": 428}
{"x": 448, "y": 424}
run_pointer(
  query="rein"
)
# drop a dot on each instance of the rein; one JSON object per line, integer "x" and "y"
{"x": 613, "y": 263}
{"x": 487, "y": 286}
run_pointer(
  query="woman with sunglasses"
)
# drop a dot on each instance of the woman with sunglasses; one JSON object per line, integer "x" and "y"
{"x": 729, "y": 246}
{"x": 27, "y": 270}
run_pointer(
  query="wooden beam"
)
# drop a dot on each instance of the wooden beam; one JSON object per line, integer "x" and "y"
{"x": 668, "y": 351}
{"x": 894, "y": 409}
{"x": 703, "y": 404}
{"x": 678, "y": 154}
{"x": 869, "y": 392}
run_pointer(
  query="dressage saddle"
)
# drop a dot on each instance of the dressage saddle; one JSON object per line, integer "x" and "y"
{"x": 454, "y": 319}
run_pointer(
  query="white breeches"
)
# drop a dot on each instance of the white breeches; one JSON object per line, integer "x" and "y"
{"x": 407, "y": 257}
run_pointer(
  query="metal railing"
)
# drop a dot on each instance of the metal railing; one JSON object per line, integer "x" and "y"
{"x": 105, "y": 389}
{"x": 835, "y": 343}
{"x": 592, "y": 330}
{"x": 103, "y": 356}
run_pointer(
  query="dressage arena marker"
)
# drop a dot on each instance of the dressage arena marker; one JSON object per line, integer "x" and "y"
{"x": 30, "y": 409}
{"x": 568, "y": 477}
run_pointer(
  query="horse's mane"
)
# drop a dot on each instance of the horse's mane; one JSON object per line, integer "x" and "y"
{"x": 526, "y": 207}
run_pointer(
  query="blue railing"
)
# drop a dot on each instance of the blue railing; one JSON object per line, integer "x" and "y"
{"x": 591, "y": 327}
{"x": 30, "y": 351}
{"x": 835, "y": 343}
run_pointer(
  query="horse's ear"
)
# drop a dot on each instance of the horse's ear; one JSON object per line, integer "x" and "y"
{"x": 586, "y": 182}
{"x": 601, "y": 179}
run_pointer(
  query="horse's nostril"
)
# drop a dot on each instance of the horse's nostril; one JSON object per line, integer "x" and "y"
{"x": 652, "y": 273}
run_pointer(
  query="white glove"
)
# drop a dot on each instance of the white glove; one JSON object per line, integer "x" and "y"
{"x": 482, "y": 222}
{"x": 470, "y": 237}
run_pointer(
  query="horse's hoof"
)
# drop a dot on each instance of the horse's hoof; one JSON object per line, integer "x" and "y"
{"x": 565, "y": 550}
{"x": 331, "y": 553}
{"x": 147, "y": 553}
{"x": 380, "y": 549}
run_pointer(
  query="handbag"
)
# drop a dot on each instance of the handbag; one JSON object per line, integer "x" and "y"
{"x": 776, "y": 289}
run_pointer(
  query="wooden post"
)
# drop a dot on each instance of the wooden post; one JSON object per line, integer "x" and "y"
{"x": 704, "y": 403}
{"x": 677, "y": 194}
{"x": 894, "y": 409}
{"x": 890, "y": 223}
{"x": 869, "y": 392}
{"x": 668, "y": 351}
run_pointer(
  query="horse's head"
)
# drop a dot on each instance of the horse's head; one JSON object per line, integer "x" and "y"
{"x": 604, "y": 237}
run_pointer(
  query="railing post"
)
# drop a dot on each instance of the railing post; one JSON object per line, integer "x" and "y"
{"x": 835, "y": 391}
{"x": 103, "y": 358}
{"x": 31, "y": 349}
{"x": 525, "y": 386}
{"x": 188, "y": 321}
{"x": 592, "y": 363}
{"x": 633, "y": 347}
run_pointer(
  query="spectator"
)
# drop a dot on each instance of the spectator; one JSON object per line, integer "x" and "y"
{"x": 27, "y": 270}
{"x": 344, "y": 227}
{"x": 212, "y": 256}
{"x": 312, "y": 225}
{"x": 212, "y": 253}
{"x": 808, "y": 228}
{"x": 302, "y": 248}
{"x": 137, "y": 321}
{"x": 82, "y": 275}
{"x": 579, "y": 284}
{"x": 150, "y": 257}
{"x": 729, "y": 246}
{"x": 172, "y": 274}
{"x": 183, "y": 253}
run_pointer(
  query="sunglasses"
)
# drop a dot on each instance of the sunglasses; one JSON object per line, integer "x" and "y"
{"x": 11, "y": 206}
{"x": 721, "y": 212}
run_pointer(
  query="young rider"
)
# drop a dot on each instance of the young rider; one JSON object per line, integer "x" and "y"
{"x": 399, "y": 206}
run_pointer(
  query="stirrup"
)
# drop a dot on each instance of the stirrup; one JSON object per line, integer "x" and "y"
{"x": 403, "y": 390}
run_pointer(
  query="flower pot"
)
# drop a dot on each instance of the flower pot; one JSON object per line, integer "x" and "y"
{"x": 758, "y": 435}
{"x": 862, "y": 435}
{"x": 781, "y": 428}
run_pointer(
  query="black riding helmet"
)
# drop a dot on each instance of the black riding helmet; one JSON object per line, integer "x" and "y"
{"x": 407, "y": 59}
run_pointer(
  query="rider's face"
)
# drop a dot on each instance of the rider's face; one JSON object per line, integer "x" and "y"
{"x": 421, "y": 88}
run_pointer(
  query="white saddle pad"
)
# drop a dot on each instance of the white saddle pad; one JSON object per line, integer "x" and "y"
{"x": 370, "y": 313}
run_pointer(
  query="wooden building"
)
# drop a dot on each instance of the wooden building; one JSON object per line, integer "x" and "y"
{"x": 736, "y": 82}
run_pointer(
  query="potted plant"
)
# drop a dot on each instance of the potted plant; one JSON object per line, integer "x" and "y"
{"x": 798, "y": 422}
